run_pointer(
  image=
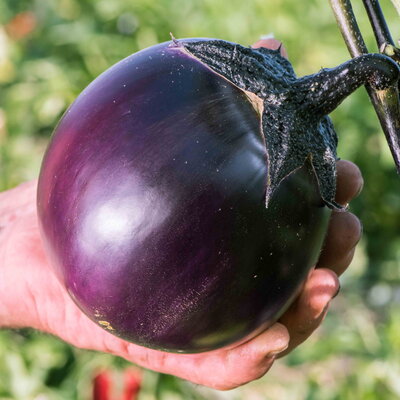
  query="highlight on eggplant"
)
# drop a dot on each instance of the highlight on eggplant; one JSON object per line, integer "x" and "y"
{"x": 185, "y": 194}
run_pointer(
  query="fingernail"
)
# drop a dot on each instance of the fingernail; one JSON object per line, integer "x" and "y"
{"x": 274, "y": 354}
{"x": 277, "y": 342}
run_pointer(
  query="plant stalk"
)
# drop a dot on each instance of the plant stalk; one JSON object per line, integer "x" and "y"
{"x": 378, "y": 22}
{"x": 383, "y": 36}
{"x": 386, "y": 102}
{"x": 349, "y": 28}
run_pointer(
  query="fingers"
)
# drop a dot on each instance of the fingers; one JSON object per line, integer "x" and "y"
{"x": 309, "y": 309}
{"x": 271, "y": 44}
{"x": 222, "y": 369}
{"x": 344, "y": 232}
{"x": 345, "y": 229}
{"x": 349, "y": 181}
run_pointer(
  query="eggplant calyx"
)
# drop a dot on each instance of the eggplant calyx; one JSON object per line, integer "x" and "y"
{"x": 295, "y": 124}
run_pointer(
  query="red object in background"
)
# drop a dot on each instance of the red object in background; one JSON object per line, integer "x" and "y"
{"x": 132, "y": 383}
{"x": 21, "y": 25}
{"x": 103, "y": 385}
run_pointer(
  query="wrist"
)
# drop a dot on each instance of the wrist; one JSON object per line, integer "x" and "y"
{"x": 18, "y": 307}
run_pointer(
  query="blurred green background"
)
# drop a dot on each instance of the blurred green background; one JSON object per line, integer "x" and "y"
{"x": 51, "y": 49}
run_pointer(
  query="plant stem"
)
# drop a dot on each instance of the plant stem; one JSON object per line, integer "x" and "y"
{"x": 382, "y": 34}
{"x": 348, "y": 25}
{"x": 378, "y": 22}
{"x": 386, "y": 102}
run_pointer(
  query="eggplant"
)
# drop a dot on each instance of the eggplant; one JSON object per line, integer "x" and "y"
{"x": 186, "y": 193}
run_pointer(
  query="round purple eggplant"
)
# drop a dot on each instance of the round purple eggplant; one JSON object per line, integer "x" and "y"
{"x": 185, "y": 194}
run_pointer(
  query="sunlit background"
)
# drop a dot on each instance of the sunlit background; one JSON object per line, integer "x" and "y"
{"x": 51, "y": 49}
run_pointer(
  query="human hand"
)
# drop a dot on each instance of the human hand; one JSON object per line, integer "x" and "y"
{"x": 30, "y": 295}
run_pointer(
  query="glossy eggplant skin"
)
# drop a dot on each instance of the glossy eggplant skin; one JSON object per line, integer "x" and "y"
{"x": 151, "y": 204}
